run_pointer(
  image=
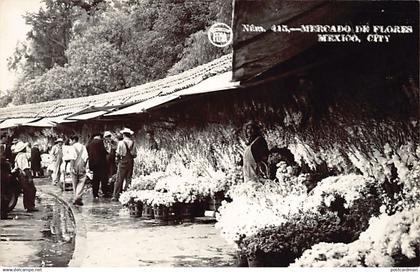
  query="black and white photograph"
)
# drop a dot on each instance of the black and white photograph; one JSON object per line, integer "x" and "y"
{"x": 209, "y": 134}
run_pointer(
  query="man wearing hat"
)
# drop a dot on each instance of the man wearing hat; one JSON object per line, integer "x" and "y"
{"x": 126, "y": 152}
{"x": 110, "y": 147}
{"x": 97, "y": 163}
{"x": 57, "y": 158}
{"x": 22, "y": 167}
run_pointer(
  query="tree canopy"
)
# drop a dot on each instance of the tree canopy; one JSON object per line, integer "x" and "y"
{"x": 79, "y": 47}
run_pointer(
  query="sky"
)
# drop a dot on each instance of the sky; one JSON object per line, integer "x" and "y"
{"x": 12, "y": 30}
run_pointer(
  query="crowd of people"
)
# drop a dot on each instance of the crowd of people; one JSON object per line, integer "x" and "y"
{"x": 107, "y": 160}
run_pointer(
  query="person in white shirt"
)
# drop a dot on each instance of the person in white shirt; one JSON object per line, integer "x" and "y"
{"x": 23, "y": 169}
{"x": 57, "y": 155}
{"x": 78, "y": 159}
{"x": 68, "y": 153}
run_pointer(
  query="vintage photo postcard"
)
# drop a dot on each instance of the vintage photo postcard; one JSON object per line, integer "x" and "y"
{"x": 138, "y": 134}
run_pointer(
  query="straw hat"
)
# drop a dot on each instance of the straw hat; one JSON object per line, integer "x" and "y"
{"x": 107, "y": 134}
{"x": 20, "y": 146}
{"x": 59, "y": 140}
{"x": 127, "y": 130}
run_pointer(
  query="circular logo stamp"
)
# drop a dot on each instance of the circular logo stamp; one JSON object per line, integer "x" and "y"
{"x": 220, "y": 35}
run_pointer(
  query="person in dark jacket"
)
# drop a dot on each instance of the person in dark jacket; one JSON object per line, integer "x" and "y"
{"x": 36, "y": 161}
{"x": 97, "y": 163}
{"x": 110, "y": 147}
{"x": 255, "y": 154}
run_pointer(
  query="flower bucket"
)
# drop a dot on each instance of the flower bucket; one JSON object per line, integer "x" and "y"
{"x": 171, "y": 214}
{"x": 148, "y": 211}
{"x": 184, "y": 211}
{"x": 135, "y": 209}
{"x": 161, "y": 212}
{"x": 199, "y": 208}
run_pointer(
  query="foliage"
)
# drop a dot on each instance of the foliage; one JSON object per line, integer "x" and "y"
{"x": 77, "y": 48}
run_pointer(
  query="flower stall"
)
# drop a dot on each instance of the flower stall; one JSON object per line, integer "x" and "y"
{"x": 348, "y": 216}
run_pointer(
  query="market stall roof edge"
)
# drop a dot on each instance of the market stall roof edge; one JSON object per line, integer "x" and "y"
{"x": 120, "y": 99}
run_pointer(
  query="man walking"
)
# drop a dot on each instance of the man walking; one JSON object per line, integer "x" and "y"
{"x": 97, "y": 163}
{"x": 78, "y": 162}
{"x": 126, "y": 152}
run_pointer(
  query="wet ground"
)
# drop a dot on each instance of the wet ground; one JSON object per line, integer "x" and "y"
{"x": 43, "y": 238}
{"x": 106, "y": 235}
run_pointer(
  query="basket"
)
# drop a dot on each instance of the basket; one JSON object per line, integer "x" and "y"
{"x": 136, "y": 209}
{"x": 148, "y": 211}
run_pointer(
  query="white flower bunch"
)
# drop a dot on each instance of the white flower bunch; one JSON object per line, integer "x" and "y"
{"x": 349, "y": 187}
{"x": 272, "y": 203}
{"x": 146, "y": 181}
{"x": 217, "y": 182}
{"x": 304, "y": 153}
{"x": 159, "y": 198}
{"x": 257, "y": 205}
{"x": 126, "y": 197}
{"x": 183, "y": 188}
{"x": 145, "y": 196}
{"x": 393, "y": 235}
{"x": 387, "y": 238}
{"x": 243, "y": 218}
{"x": 288, "y": 182}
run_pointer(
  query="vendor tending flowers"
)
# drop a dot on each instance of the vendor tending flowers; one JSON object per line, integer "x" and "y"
{"x": 256, "y": 153}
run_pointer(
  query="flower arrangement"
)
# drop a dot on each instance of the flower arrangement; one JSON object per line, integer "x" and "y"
{"x": 256, "y": 206}
{"x": 126, "y": 198}
{"x": 389, "y": 241}
{"x": 348, "y": 187}
{"x": 146, "y": 182}
{"x": 160, "y": 198}
{"x": 291, "y": 238}
{"x": 302, "y": 230}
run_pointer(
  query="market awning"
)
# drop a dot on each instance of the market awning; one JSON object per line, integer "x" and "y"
{"x": 87, "y": 116}
{"x": 14, "y": 122}
{"x": 40, "y": 123}
{"x": 213, "y": 84}
{"x": 60, "y": 119}
{"x": 145, "y": 105}
{"x": 216, "y": 83}
{"x": 49, "y": 121}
